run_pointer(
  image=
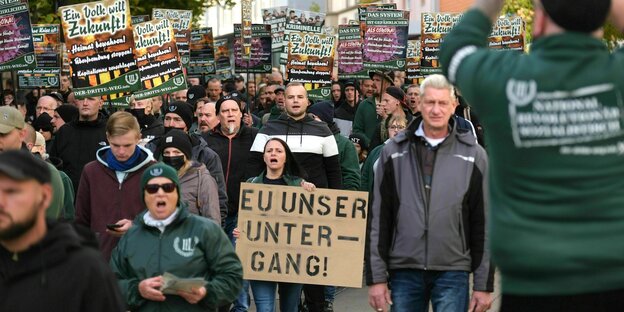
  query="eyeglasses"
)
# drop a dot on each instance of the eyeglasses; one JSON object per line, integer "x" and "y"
{"x": 153, "y": 188}
{"x": 396, "y": 128}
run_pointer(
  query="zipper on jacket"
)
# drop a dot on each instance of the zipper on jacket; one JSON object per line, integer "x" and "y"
{"x": 227, "y": 172}
{"x": 462, "y": 234}
{"x": 160, "y": 236}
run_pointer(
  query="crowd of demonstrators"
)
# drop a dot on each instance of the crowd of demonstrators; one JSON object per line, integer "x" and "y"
{"x": 77, "y": 142}
{"x": 198, "y": 189}
{"x": 558, "y": 196}
{"x": 36, "y": 253}
{"x": 166, "y": 238}
{"x": 428, "y": 253}
{"x": 108, "y": 197}
{"x": 179, "y": 115}
{"x": 281, "y": 169}
{"x": 367, "y": 119}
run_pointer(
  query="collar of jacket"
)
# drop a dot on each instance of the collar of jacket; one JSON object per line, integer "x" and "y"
{"x": 183, "y": 213}
{"x": 260, "y": 178}
{"x": 567, "y": 43}
{"x": 285, "y": 117}
{"x": 100, "y": 121}
{"x": 409, "y": 134}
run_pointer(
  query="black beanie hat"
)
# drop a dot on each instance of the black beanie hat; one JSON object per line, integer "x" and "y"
{"x": 359, "y": 138}
{"x": 182, "y": 109}
{"x": 195, "y": 93}
{"x": 178, "y": 139}
{"x": 578, "y": 15}
{"x": 232, "y": 97}
{"x": 396, "y": 93}
{"x": 43, "y": 123}
{"x": 324, "y": 110}
{"x": 67, "y": 112}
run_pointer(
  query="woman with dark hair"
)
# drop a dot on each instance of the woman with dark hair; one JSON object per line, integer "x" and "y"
{"x": 281, "y": 169}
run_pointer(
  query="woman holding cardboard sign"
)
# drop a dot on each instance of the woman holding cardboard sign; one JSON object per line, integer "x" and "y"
{"x": 281, "y": 169}
{"x": 168, "y": 239}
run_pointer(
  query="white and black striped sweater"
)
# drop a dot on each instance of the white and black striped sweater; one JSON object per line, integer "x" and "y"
{"x": 312, "y": 144}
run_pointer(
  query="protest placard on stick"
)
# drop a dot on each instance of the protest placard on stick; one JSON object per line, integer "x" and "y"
{"x": 291, "y": 235}
{"x": 350, "y": 59}
{"x": 276, "y": 17}
{"x": 202, "y": 60}
{"x": 46, "y": 41}
{"x": 158, "y": 59}
{"x": 385, "y": 40}
{"x": 181, "y": 23}
{"x": 507, "y": 34}
{"x": 223, "y": 54}
{"x": 260, "y": 59}
{"x": 412, "y": 66}
{"x": 310, "y": 58}
{"x": 16, "y": 42}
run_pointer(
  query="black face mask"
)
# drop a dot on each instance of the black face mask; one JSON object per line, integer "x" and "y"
{"x": 174, "y": 161}
{"x": 139, "y": 114}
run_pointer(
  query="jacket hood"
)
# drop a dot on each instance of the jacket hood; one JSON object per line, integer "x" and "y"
{"x": 146, "y": 158}
{"x": 60, "y": 240}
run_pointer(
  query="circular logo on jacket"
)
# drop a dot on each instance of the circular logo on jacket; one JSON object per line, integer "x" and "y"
{"x": 185, "y": 247}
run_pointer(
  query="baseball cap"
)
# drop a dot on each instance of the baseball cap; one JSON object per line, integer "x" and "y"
{"x": 21, "y": 165}
{"x": 10, "y": 118}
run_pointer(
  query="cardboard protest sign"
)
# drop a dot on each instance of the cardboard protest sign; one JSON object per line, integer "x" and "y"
{"x": 291, "y": 235}
{"x": 260, "y": 58}
{"x": 434, "y": 26}
{"x": 385, "y": 40}
{"x": 222, "y": 58}
{"x": 350, "y": 61}
{"x": 507, "y": 34}
{"x": 412, "y": 67}
{"x": 310, "y": 58}
{"x": 16, "y": 42}
{"x": 301, "y": 21}
{"x": 158, "y": 59}
{"x": 202, "y": 61}
{"x": 46, "y": 41}
{"x": 181, "y": 23}
{"x": 100, "y": 47}
{"x": 276, "y": 17}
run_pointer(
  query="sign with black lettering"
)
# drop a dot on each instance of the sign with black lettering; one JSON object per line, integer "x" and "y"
{"x": 292, "y": 235}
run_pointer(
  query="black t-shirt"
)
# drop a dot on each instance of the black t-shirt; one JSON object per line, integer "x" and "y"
{"x": 279, "y": 181}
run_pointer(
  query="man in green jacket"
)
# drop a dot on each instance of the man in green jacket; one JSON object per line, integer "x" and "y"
{"x": 556, "y": 129}
{"x": 366, "y": 119}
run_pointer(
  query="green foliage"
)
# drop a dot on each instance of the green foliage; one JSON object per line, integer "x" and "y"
{"x": 315, "y": 7}
{"x": 42, "y": 11}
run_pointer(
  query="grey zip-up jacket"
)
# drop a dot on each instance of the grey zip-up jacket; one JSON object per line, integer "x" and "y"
{"x": 200, "y": 192}
{"x": 447, "y": 233}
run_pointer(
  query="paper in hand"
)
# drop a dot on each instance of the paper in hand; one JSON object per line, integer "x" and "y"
{"x": 172, "y": 284}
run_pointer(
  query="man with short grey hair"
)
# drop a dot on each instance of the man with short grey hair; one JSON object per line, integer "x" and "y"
{"x": 428, "y": 217}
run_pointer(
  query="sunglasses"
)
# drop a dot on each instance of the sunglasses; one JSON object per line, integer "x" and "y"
{"x": 153, "y": 188}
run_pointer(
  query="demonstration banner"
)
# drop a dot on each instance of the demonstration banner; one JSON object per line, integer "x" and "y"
{"x": 508, "y": 34}
{"x": 139, "y": 19}
{"x": 46, "y": 41}
{"x": 181, "y": 22}
{"x": 276, "y": 17}
{"x": 202, "y": 60}
{"x": 318, "y": 91}
{"x": 412, "y": 67}
{"x": 385, "y": 40}
{"x": 301, "y": 21}
{"x": 434, "y": 26}
{"x": 260, "y": 59}
{"x": 310, "y": 58}
{"x": 158, "y": 59}
{"x": 371, "y": 7}
{"x": 350, "y": 62}
{"x": 16, "y": 43}
{"x": 245, "y": 28}
{"x": 222, "y": 58}
{"x": 100, "y": 47}
{"x": 291, "y": 235}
